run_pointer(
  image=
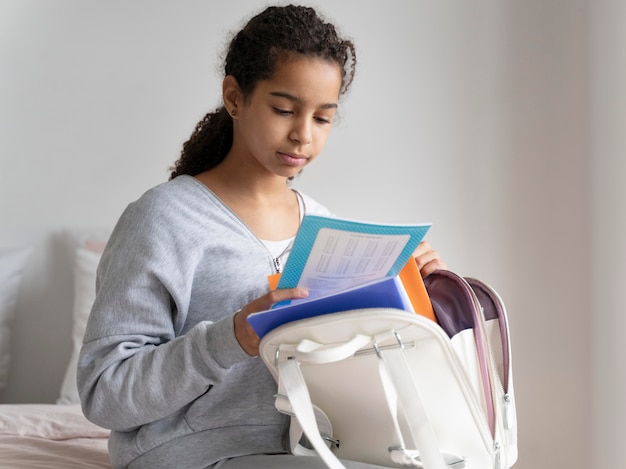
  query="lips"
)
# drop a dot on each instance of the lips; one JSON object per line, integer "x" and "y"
{"x": 292, "y": 159}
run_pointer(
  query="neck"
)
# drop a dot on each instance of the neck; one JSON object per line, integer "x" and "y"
{"x": 237, "y": 182}
{"x": 266, "y": 204}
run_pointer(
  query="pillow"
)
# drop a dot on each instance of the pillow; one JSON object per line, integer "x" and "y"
{"x": 12, "y": 262}
{"x": 85, "y": 264}
{"x": 93, "y": 239}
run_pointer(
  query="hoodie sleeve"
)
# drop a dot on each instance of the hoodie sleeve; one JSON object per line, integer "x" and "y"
{"x": 135, "y": 366}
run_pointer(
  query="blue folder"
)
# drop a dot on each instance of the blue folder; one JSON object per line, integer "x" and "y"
{"x": 385, "y": 293}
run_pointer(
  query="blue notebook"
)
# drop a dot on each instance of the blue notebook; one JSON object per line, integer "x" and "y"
{"x": 383, "y": 293}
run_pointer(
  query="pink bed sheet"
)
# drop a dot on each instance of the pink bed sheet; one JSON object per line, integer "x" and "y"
{"x": 50, "y": 436}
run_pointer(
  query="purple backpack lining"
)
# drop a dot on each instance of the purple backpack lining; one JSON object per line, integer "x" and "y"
{"x": 460, "y": 304}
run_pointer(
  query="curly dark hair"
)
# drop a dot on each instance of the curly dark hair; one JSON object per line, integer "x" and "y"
{"x": 252, "y": 56}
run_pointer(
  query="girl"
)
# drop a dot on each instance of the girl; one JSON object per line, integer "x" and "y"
{"x": 168, "y": 361}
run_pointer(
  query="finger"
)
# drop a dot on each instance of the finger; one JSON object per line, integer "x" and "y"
{"x": 245, "y": 334}
{"x": 425, "y": 257}
{"x": 283, "y": 294}
{"x": 275, "y": 296}
{"x": 422, "y": 248}
{"x": 430, "y": 267}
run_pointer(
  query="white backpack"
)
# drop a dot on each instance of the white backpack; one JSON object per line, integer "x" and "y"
{"x": 393, "y": 388}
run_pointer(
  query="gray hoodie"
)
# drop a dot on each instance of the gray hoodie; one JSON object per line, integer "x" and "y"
{"x": 160, "y": 365}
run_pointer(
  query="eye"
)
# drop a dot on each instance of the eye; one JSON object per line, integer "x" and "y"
{"x": 282, "y": 112}
{"x": 323, "y": 120}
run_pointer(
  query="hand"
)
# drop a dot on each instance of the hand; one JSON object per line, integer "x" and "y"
{"x": 244, "y": 333}
{"x": 427, "y": 259}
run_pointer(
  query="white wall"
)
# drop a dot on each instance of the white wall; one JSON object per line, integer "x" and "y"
{"x": 472, "y": 115}
{"x": 607, "y": 167}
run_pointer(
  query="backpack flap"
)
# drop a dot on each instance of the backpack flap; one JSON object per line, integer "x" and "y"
{"x": 351, "y": 393}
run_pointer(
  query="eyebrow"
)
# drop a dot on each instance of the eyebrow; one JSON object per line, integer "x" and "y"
{"x": 295, "y": 99}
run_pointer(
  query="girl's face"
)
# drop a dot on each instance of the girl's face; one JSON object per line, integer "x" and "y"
{"x": 283, "y": 125}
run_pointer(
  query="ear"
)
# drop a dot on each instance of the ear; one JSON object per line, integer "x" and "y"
{"x": 231, "y": 93}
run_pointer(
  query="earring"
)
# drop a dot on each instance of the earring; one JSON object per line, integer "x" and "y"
{"x": 233, "y": 113}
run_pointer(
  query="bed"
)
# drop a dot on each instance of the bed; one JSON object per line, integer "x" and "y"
{"x": 50, "y": 436}
{"x": 53, "y": 434}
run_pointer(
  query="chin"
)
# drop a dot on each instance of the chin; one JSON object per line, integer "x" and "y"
{"x": 289, "y": 173}
{"x": 295, "y": 174}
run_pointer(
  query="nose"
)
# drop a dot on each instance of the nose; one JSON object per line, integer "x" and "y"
{"x": 302, "y": 132}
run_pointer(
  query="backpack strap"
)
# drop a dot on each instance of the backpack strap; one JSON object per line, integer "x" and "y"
{"x": 403, "y": 394}
{"x": 298, "y": 394}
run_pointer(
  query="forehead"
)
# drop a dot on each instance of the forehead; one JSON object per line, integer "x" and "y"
{"x": 308, "y": 78}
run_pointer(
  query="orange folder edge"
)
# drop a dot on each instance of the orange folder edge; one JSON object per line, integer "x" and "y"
{"x": 273, "y": 280}
{"x": 415, "y": 289}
